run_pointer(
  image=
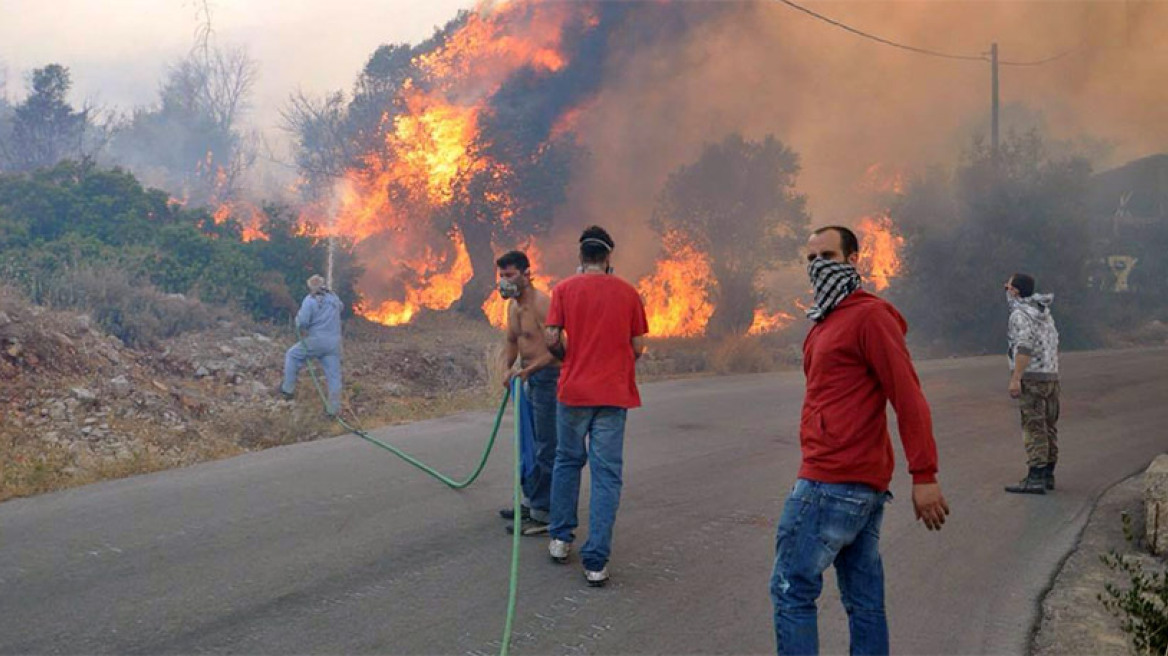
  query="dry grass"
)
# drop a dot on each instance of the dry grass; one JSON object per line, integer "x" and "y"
{"x": 741, "y": 355}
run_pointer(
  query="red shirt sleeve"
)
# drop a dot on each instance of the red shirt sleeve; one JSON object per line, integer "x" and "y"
{"x": 883, "y": 345}
{"x": 555, "y": 315}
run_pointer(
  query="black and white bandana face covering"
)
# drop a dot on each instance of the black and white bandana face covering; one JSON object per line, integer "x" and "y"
{"x": 833, "y": 282}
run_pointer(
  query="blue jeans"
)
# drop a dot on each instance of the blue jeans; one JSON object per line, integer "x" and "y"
{"x": 825, "y": 524}
{"x": 604, "y": 428}
{"x": 330, "y": 362}
{"x": 541, "y": 391}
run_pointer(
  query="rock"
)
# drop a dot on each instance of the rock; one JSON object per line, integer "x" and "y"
{"x": 84, "y": 322}
{"x": 1156, "y": 505}
{"x": 263, "y": 339}
{"x": 160, "y": 387}
{"x": 15, "y": 349}
{"x": 258, "y": 389}
{"x": 226, "y": 350}
{"x": 121, "y": 387}
{"x": 84, "y": 396}
{"x": 202, "y": 372}
{"x": 89, "y": 421}
{"x": 395, "y": 389}
{"x": 62, "y": 339}
{"x": 5, "y": 319}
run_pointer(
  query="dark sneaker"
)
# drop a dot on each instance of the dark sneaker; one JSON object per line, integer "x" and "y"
{"x": 509, "y": 513}
{"x": 530, "y": 527}
{"x": 1049, "y": 477}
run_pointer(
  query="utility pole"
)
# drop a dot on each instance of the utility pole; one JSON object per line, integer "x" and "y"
{"x": 994, "y": 101}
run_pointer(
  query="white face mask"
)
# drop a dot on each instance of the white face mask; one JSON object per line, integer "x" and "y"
{"x": 607, "y": 269}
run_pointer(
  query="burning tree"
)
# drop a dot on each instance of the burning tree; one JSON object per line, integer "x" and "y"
{"x": 737, "y": 206}
{"x": 458, "y": 147}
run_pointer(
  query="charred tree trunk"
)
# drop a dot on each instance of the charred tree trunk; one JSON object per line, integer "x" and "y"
{"x": 735, "y": 302}
{"x": 482, "y": 261}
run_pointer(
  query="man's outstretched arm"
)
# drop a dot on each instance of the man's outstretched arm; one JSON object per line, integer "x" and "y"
{"x": 887, "y": 353}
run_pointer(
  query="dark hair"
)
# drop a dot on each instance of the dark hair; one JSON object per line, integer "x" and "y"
{"x": 517, "y": 259}
{"x": 1023, "y": 283}
{"x": 848, "y": 241}
{"x": 593, "y": 242}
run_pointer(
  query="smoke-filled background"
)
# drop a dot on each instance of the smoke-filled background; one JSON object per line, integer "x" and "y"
{"x": 707, "y": 136}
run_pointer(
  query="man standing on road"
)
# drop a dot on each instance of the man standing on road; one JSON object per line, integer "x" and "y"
{"x": 605, "y": 324}
{"x": 540, "y": 371}
{"x": 1034, "y": 380}
{"x": 856, "y": 362}
{"x": 319, "y": 326}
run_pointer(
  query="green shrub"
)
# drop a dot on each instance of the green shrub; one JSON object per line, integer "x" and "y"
{"x": 1142, "y": 607}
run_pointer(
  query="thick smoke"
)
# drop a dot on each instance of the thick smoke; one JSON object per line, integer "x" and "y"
{"x": 845, "y": 103}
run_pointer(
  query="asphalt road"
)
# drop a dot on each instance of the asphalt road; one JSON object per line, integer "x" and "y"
{"x": 337, "y": 547}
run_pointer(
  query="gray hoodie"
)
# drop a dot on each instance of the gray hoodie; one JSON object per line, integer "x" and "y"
{"x": 1032, "y": 332}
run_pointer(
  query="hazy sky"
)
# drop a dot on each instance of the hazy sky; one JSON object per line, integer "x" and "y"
{"x": 118, "y": 50}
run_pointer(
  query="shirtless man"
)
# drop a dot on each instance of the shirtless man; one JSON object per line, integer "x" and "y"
{"x": 540, "y": 371}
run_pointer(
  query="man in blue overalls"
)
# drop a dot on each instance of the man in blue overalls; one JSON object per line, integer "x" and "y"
{"x": 319, "y": 325}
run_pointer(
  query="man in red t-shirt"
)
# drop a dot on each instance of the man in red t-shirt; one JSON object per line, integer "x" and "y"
{"x": 604, "y": 322}
{"x": 856, "y": 363}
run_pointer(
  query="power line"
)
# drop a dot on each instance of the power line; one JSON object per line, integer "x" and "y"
{"x": 1039, "y": 62}
{"x": 921, "y": 51}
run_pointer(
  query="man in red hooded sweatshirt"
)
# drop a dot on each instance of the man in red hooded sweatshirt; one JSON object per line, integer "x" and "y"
{"x": 856, "y": 362}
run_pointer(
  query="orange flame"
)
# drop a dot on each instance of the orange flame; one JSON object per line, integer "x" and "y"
{"x": 677, "y": 294}
{"x": 769, "y": 323}
{"x": 250, "y": 217}
{"x": 440, "y": 288}
{"x": 432, "y": 142}
{"x": 879, "y": 250}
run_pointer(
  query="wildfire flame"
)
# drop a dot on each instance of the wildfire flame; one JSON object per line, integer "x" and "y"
{"x": 432, "y": 141}
{"x": 879, "y": 250}
{"x": 677, "y": 294}
{"x": 765, "y": 322}
{"x": 250, "y": 216}
{"x": 441, "y": 285}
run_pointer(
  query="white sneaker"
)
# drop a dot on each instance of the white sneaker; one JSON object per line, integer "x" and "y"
{"x": 559, "y": 550}
{"x": 596, "y": 579}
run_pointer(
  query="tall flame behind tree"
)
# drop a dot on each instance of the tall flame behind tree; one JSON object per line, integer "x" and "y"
{"x": 460, "y": 135}
{"x": 737, "y": 205}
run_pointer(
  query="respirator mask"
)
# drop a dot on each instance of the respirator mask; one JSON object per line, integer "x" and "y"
{"x": 508, "y": 288}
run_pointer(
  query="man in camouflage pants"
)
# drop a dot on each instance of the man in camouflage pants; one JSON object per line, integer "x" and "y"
{"x": 1033, "y": 355}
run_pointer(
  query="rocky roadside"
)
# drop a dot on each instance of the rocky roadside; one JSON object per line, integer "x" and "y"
{"x": 1074, "y": 620}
